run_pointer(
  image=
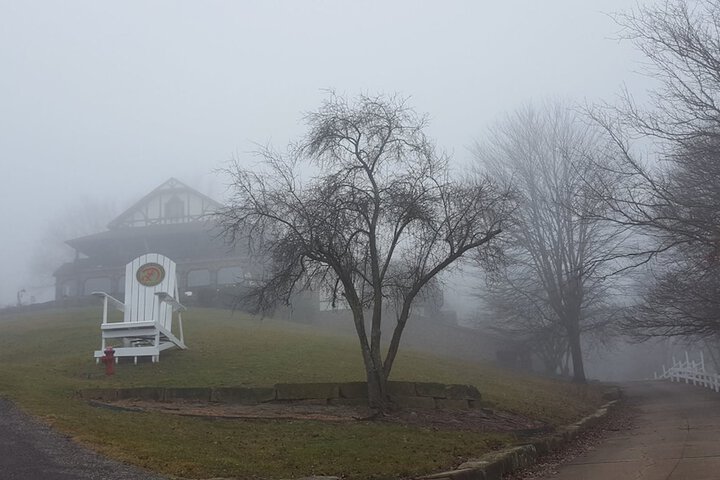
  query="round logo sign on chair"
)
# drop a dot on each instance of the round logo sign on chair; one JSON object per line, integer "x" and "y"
{"x": 150, "y": 274}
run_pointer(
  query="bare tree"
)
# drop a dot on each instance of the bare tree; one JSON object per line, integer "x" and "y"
{"x": 681, "y": 43}
{"x": 680, "y": 214}
{"x": 554, "y": 281}
{"x": 682, "y": 301}
{"x": 675, "y": 204}
{"x": 366, "y": 208}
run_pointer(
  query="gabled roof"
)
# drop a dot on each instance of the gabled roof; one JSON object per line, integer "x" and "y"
{"x": 172, "y": 185}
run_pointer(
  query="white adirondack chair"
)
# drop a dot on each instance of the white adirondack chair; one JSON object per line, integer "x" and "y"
{"x": 150, "y": 300}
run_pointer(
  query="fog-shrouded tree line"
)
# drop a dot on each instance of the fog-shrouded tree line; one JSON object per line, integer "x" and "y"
{"x": 88, "y": 216}
{"x": 553, "y": 288}
{"x": 675, "y": 204}
{"x": 368, "y": 209}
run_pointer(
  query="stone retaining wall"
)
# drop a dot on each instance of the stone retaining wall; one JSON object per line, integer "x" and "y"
{"x": 405, "y": 394}
{"x": 495, "y": 465}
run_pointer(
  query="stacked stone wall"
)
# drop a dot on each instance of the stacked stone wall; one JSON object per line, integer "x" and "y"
{"x": 405, "y": 394}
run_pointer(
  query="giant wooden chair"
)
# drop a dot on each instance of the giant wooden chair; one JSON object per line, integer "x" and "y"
{"x": 151, "y": 295}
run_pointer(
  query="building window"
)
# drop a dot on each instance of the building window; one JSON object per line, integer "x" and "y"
{"x": 198, "y": 278}
{"x": 174, "y": 208}
{"x": 229, "y": 275}
{"x": 68, "y": 289}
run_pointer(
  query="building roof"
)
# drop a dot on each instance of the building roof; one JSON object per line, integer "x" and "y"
{"x": 148, "y": 225}
{"x": 172, "y": 187}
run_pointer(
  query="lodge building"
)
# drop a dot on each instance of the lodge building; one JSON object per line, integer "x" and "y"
{"x": 173, "y": 220}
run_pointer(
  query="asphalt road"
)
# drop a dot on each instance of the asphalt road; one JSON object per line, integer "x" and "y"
{"x": 676, "y": 436}
{"x": 32, "y": 451}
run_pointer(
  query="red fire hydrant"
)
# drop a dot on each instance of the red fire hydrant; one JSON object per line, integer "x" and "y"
{"x": 109, "y": 360}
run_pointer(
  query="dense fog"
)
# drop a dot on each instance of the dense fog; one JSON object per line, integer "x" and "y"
{"x": 102, "y": 103}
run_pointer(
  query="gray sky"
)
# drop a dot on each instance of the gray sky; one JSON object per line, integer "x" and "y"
{"x": 106, "y": 100}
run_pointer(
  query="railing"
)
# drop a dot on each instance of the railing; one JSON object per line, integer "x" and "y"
{"x": 690, "y": 371}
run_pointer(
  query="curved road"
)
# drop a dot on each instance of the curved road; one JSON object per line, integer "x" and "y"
{"x": 676, "y": 436}
{"x": 31, "y": 451}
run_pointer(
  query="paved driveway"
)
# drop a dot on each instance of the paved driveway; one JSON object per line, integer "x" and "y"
{"x": 31, "y": 451}
{"x": 676, "y": 437}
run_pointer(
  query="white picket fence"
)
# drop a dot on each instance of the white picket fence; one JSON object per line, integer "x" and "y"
{"x": 690, "y": 371}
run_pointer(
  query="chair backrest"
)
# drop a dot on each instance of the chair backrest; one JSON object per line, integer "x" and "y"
{"x": 144, "y": 277}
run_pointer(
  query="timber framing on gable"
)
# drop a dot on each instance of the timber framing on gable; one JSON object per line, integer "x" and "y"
{"x": 171, "y": 202}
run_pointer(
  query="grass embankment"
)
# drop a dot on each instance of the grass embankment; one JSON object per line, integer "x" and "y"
{"x": 46, "y": 357}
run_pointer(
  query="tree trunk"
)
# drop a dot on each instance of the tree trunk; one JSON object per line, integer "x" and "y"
{"x": 376, "y": 378}
{"x": 378, "y": 399}
{"x": 576, "y": 352}
{"x": 553, "y": 355}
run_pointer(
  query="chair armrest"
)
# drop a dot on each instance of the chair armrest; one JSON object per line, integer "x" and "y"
{"x": 112, "y": 300}
{"x": 167, "y": 298}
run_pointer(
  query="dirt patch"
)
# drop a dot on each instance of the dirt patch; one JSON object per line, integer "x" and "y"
{"x": 476, "y": 420}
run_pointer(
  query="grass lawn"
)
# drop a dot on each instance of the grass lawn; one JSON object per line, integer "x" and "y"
{"x": 45, "y": 357}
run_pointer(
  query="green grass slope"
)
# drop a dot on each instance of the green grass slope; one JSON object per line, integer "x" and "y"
{"x": 46, "y": 357}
